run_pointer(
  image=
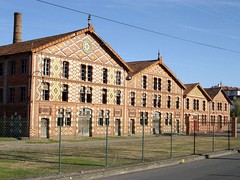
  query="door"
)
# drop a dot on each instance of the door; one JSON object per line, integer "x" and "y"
{"x": 178, "y": 126}
{"x": 132, "y": 127}
{"x": 156, "y": 123}
{"x": 44, "y": 128}
{"x": 117, "y": 127}
{"x": 84, "y": 122}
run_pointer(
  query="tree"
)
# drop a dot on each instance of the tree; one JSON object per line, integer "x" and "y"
{"x": 235, "y": 111}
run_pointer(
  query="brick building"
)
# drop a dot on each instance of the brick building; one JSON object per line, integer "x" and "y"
{"x": 78, "y": 81}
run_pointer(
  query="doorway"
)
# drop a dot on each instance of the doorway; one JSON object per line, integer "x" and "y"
{"x": 117, "y": 127}
{"x": 132, "y": 127}
{"x": 44, "y": 128}
{"x": 84, "y": 122}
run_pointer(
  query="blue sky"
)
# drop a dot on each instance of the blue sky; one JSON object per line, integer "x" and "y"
{"x": 213, "y": 22}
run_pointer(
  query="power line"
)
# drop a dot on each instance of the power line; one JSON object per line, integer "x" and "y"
{"x": 141, "y": 28}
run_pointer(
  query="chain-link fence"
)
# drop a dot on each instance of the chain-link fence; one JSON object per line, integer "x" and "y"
{"x": 21, "y": 157}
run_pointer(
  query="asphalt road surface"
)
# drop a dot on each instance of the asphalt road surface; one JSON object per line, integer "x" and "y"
{"x": 221, "y": 168}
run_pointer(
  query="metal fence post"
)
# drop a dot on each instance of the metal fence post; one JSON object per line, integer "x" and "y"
{"x": 194, "y": 137}
{"x": 143, "y": 123}
{"x": 228, "y": 136}
{"x": 107, "y": 123}
{"x": 171, "y": 143}
{"x": 60, "y": 148}
{"x": 213, "y": 138}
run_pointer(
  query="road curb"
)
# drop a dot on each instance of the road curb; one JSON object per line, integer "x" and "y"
{"x": 111, "y": 171}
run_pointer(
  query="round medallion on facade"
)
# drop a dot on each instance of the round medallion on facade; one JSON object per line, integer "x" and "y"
{"x": 87, "y": 46}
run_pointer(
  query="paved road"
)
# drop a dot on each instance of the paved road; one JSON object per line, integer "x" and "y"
{"x": 221, "y": 168}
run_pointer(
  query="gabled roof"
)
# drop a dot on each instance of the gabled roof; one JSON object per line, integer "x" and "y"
{"x": 139, "y": 66}
{"x": 42, "y": 43}
{"x": 190, "y": 87}
{"x": 215, "y": 90}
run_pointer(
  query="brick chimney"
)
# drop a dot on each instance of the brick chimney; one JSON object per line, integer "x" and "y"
{"x": 17, "y": 29}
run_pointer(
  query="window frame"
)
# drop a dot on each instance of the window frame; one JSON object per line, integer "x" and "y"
{"x": 46, "y": 66}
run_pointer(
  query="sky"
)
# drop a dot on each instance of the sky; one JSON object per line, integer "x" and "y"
{"x": 199, "y": 40}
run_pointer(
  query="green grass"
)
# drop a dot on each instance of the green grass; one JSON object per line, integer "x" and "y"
{"x": 20, "y": 159}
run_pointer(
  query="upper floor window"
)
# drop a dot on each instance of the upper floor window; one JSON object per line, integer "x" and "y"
{"x": 132, "y": 98}
{"x": 82, "y": 94}
{"x": 11, "y": 95}
{"x": 65, "y": 69}
{"x": 22, "y": 94}
{"x": 177, "y": 103}
{"x": 46, "y": 67}
{"x": 1, "y": 69}
{"x": 220, "y": 106}
{"x": 204, "y": 105}
{"x": 105, "y": 75}
{"x": 195, "y": 104}
{"x": 83, "y": 72}
{"x": 169, "y": 102}
{"x": 65, "y": 93}
{"x": 118, "y": 97}
{"x": 104, "y": 96}
{"x": 157, "y": 83}
{"x": 12, "y": 67}
{"x": 154, "y": 100}
{"x": 118, "y": 78}
{"x": 226, "y": 107}
{"x": 89, "y": 95}
{"x": 169, "y": 85}
{"x": 213, "y": 105}
{"x": 144, "y": 82}
{"x": 23, "y": 66}
{"x": 187, "y": 103}
{"x": 90, "y": 73}
{"x": 144, "y": 100}
{"x": 46, "y": 91}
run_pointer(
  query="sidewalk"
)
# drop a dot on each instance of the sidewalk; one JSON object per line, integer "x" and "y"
{"x": 111, "y": 171}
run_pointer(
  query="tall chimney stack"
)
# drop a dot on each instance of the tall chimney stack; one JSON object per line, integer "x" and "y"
{"x": 17, "y": 34}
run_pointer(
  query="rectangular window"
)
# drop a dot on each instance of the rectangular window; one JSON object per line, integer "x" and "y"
{"x": 22, "y": 94}
{"x": 100, "y": 117}
{"x": 118, "y": 97}
{"x": 12, "y": 67}
{"x": 46, "y": 91}
{"x": 1, "y": 95}
{"x": 168, "y": 102}
{"x": 155, "y": 100}
{"x": 105, "y": 75}
{"x": 65, "y": 93}
{"x": 1, "y": 69}
{"x": 166, "y": 119}
{"x": 159, "y": 101}
{"x": 23, "y": 66}
{"x": 11, "y": 94}
{"x": 226, "y": 107}
{"x": 107, "y": 113}
{"x": 65, "y": 69}
{"x": 187, "y": 103}
{"x": 204, "y": 105}
{"x": 213, "y": 106}
{"x": 83, "y": 72}
{"x": 177, "y": 103}
{"x": 144, "y": 118}
{"x": 132, "y": 98}
{"x": 82, "y": 94}
{"x": 118, "y": 78}
{"x": 144, "y": 100}
{"x": 144, "y": 82}
{"x": 169, "y": 86}
{"x": 90, "y": 73}
{"x": 155, "y": 83}
{"x": 104, "y": 96}
{"x": 68, "y": 117}
{"x": 159, "y": 84}
{"x": 46, "y": 67}
{"x": 89, "y": 95}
